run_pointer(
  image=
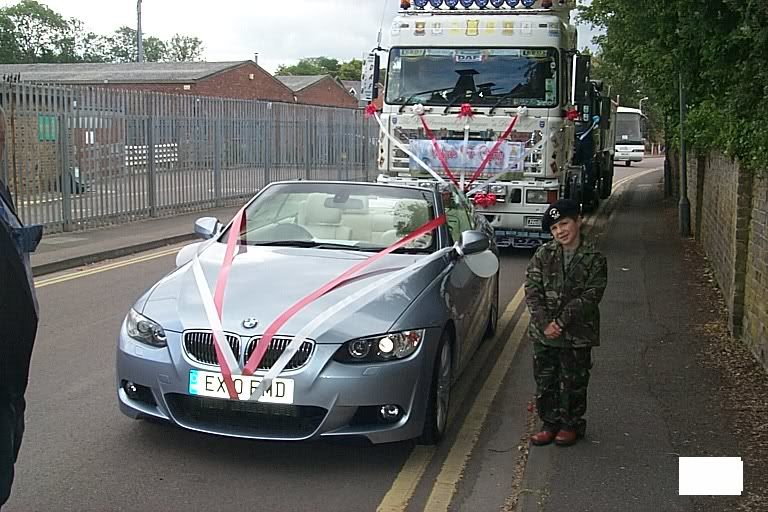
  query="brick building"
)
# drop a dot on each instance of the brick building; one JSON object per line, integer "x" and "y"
{"x": 319, "y": 90}
{"x": 240, "y": 80}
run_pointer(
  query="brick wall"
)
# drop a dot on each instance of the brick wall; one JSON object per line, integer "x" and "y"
{"x": 326, "y": 92}
{"x": 234, "y": 83}
{"x": 718, "y": 216}
{"x": 755, "y": 330}
{"x": 729, "y": 216}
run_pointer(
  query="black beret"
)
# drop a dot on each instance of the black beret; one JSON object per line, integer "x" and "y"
{"x": 561, "y": 209}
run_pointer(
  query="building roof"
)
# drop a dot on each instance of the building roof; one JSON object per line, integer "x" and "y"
{"x": 124, "y": 72}
{"x": 299, "y": 82}
{"x": 352, "y": 85}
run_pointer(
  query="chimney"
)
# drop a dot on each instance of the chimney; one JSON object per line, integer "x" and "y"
{"x": 256, "y": 58}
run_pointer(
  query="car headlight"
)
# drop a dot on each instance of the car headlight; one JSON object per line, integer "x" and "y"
{"x": 536, "y": 197}
{"x": 142, "y": 329}
{"x": 377, "y": 349}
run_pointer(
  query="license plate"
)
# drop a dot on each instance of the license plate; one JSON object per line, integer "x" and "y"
{"x": 533, "y": 222}
{"x": 212, "y": 384}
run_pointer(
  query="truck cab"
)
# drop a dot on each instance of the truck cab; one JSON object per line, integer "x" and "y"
{"x": 510, "y": 61}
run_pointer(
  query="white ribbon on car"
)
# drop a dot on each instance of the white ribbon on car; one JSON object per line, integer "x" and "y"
{"x": 339, "y": 312}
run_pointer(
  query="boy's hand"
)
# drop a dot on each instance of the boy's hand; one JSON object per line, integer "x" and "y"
{"x": 553, "y": 331}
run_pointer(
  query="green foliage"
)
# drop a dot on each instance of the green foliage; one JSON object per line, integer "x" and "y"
{"x": 719, "y": 47}
{"x": 184, "y": 49}
{"x": 31, "y": 32}
{"x": 350, "y": 70}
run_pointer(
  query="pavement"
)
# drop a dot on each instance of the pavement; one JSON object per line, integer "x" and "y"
{"x": 64, "y": 251}
{"x": 651, "y": 398}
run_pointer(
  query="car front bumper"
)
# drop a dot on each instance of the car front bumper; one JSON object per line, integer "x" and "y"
{"x": 330, "y": 398}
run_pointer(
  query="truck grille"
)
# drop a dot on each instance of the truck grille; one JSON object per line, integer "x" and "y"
{"x": 199, "y": 347}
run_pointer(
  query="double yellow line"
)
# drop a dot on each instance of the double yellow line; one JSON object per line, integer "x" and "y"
{"x": 42, "y": 283}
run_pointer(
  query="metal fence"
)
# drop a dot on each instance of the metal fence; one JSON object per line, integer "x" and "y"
{"x": 82, "y": 157}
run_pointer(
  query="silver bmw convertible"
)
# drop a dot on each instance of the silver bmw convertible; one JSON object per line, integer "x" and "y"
{"x": 378, "y": 352}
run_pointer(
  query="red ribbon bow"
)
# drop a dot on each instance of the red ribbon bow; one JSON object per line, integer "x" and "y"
{"x": 484, "y": 200}
{"x": 370, "y": 110}
{"x": 572, "y": 115}
{"x": 466, "y": 110}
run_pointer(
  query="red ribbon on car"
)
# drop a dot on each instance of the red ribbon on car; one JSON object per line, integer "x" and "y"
{"x": 263, "y": 344}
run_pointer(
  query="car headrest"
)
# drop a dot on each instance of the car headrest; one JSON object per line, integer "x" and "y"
{"x": 318, "y": 213}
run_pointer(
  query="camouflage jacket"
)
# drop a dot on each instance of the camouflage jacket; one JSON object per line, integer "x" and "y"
{"x": 569, "y": 296}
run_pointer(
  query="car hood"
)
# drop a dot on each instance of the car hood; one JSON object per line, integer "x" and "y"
{"x": 265, "y": 281}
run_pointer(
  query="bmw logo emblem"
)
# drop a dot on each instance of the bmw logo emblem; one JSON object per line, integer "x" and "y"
{"x": 250, "y": 323}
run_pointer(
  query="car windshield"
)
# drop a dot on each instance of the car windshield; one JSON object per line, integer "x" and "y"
{"x": 481, "y": 76}
{"x": 338, "y": 216}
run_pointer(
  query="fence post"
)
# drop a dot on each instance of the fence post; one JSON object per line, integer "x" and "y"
{"x": 269, "y": 136}
{"x": 307, "y": 150}
{"x": 66, "y": 177}
{"x": 217, "y": 158}
{"x": 151, "y": 183}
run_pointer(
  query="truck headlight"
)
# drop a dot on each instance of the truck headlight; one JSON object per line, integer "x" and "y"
{"x": 378, "y": 349}
{"x": 499, "y": 190}
{"x": 144, "y": 330}
{"x": 536, "y": 197}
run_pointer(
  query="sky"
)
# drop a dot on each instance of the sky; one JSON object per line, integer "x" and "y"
{"x": 280, "y": 31}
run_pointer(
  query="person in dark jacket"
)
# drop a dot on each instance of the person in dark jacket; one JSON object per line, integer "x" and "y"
{"x": 565, "y": 282}
{"x": 18, "y": 328}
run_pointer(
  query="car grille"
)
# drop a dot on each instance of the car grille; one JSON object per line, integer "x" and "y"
{"x": 245, "y": 417}
{"x": 276, "y": 348}
{"x": 199, "y": 347}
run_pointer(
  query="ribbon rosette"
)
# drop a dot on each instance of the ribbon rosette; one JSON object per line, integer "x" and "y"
{"x": 466, "y": 111}
{"x": 484, "y": 200}
{"x": 370, "y": 110}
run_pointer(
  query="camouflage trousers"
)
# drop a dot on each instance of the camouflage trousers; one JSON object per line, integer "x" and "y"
{"x": 562, "y": 376}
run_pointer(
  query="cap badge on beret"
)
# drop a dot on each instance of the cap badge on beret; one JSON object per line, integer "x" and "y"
{"x": 555, "y": 213}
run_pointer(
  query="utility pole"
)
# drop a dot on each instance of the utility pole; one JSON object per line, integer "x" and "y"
{"x": 139, "y": 37}
{"x": 684, "y": 206}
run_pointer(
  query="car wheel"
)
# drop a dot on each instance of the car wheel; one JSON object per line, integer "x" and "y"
{"x": 493, "y": 318}
{"x": 628, "y": 163}
{"x": 436, "y": 419}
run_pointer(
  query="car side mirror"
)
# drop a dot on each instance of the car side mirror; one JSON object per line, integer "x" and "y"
{"x": 474, "y": 242}
{"x": 207, "y": 227}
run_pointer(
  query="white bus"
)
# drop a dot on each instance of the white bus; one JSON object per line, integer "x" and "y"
{"x": 630, "y": 142}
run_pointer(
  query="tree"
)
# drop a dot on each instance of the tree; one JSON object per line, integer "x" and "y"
{"x": 350, "y": 70}
{"x": 719, "y": 47}
{"x": 123, "y": 47}
{"x": 319, "y": 66}
{"x": 31, "y": 32}
{"x": 184, "y": 49}
{"x": 38, "y": 33}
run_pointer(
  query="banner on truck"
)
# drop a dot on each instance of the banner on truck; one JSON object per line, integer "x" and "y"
{"x": 508, "y": 158}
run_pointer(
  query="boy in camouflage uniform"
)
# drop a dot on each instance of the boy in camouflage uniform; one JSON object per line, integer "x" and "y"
{"x": 564, "y": 284}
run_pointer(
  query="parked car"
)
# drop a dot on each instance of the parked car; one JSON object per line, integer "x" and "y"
{"x": 382, "y": 368}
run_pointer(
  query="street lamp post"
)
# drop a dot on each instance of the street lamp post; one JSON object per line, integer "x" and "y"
{"x": 684, "y": 206}
{"x": 641, "y": 103}
{"x": 139, "y": 37}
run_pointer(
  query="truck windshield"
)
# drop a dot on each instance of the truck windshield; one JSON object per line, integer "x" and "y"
{"x": 484, "y": 77}
{"x": 629, "y": 128}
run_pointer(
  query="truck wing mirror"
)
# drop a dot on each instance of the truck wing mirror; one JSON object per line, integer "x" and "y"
{"x": 370, "y": 78}
{"x": 580, "y": 85}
